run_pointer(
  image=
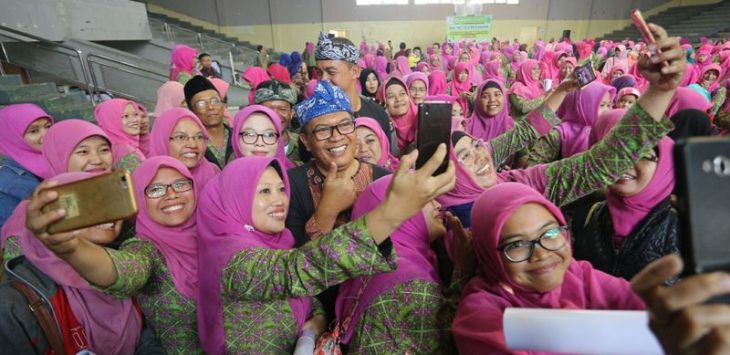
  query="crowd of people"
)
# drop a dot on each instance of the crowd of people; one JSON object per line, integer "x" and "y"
{"x": 299, "y": 224}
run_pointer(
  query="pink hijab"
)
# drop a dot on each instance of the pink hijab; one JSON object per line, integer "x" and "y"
{"x": 627, "y": 212}
{"x": 715, "y": 84}
{"x": 381, "y": 65}
{"x": 14, "y": 121}
{"x": 279, "y": 72}
{"x": 241, "y": 118}
{"x": 112, "y": 326}
{"x": 526, "y": 86}
{"x": 402, "y": 67}
{"x": 485, "y": 127}
{"x": 578, "y": 113}
{"x": 477, "y": 327}
{"x": 183, "y": 60}
{"x": 416, "y": 260}
{"x": 686, "y": 98}
{"x": 623, "y": 68}
{"x": 405, "y": 125}
{"x": 311, "y": 86}
{"x": 492, "y": 70}
{"x": 569, "y": 60}
{"x": 160, "y": 141}
{"x": 437, "y": 83}
{"x": 61, "y": 141}
{"x": 417, "y": 75}
{"x": 457, "y": 87}
{"x": 466, "y": 189}
{"x": 387, "y": 159}
{"x": 177, "y": 244}
{"x": 109, "y": 115}
{"x": 549, "y": 65}
{"x": 170, "y": 94}
{"x": 226, "y": 228}
{"x": 255, "y": 76}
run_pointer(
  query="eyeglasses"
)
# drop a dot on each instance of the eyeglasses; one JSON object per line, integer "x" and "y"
{"x": 469, "y": 155}
{"x": 213, "y": 102}
{"x": 184, "y": 138}
{"x": 160, "y": 190}
{"x": 251, "y": 137}
{"x": 323, "y": 132}
{"x": 522, "y": 250}
{"x": 418, "y": 90}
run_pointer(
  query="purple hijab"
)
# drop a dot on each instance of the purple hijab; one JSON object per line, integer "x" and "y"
{"x": 112, "y": 326}
{"x": 241, "y": 118}
{"x": 179, "y": 243}
{"x": 14, "y": 121}
{"x": 578, "y": 113}
{"x": 416, "y": 260}
{"x": 485, "y": 127}
{"x": 160, "y": 141}
{"x": 226, "y": 228}
{"x": 61, "y": 141}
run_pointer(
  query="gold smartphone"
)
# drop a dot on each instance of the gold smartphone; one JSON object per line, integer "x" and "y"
{"x": 90, "y": 202}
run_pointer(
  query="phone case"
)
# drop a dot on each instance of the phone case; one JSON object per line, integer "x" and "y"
{"x": 585, "y": 74}
{"x": 434, "y": 128}
{"x": 97, "y": 200}
{"x": 642, "y": 27}
{"x": 703, "y": 181}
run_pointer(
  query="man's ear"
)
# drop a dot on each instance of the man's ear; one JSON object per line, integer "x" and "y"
{"x": 304, "y": 139}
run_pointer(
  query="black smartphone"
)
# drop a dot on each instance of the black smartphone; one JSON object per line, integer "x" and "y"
{"x": 434, "y": 128}
{"x": 585, "y": 74}
{"x": 702, "y": 166}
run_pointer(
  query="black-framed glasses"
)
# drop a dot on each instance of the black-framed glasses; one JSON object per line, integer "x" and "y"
{"x": 184, "y": 138}
{"x": 553, "y": 239}
{"x": 160, "y": 190}
{"x": 323, "y": 132}
{"x": 251, "y": 137}
{"x": 213, "y": 102}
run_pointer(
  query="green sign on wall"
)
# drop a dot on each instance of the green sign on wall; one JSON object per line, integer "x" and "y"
{"x": 468, "y": 27}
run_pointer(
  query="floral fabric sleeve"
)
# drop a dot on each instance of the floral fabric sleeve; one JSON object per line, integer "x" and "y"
{"x": 545, "y": 150}
{"x": 129, "y": 162}
{"x": 635, "y": 135}
{"x": 12, "y": 249}
{"x": 522, "y": 106}
{"x": 524, "y": 134}
{"x": 265, "y": 274}
{"x": 718, "y": 100}
{"x": 133, "y": 262}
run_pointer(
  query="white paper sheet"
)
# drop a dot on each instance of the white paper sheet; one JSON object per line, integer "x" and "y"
{"x": 579, "y": 331}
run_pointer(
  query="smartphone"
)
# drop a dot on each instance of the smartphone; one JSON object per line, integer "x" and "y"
{"x": 585, "y": 74}
{"x": 702, "y": 167}
{"x": 642, "y": 27}
{"x": 434, "y": 128}
{"x": 90, "y": 202}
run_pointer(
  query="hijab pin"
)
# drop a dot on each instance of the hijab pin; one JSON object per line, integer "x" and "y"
{"x": 249, "y": 227}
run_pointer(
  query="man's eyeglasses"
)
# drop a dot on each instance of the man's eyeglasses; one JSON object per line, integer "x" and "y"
{"x": 323, "y": 132}
{"x": 213, "y": 102}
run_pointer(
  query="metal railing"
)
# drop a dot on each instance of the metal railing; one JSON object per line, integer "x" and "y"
{"x": 44, "y": 44}
{"x": 124, "y": 67}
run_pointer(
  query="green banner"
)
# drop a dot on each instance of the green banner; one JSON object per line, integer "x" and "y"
{"x": 468, "y": 27}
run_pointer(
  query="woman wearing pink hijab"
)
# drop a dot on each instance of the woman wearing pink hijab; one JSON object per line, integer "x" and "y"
{"x": 257, "y": 132}
{"x": 636, "y": 224}
{"x": 381, "y": 65}
{"x": 126, "y": 124}
{"x": 526, "y": 93}
{"x": 491, "y": 112}
{"x": 372, "y": 306}
{"x": 254, "y": 76}
{"x": 566, "y": 68}
{"x": 373, "y": 145}
{"x": 160, "y": 265}
{"x": 22, "y": 129}
{"x": 87, "y": 319}
{"x": 256, "y": 285}
{"x": 617, "y": 71}
{"x": 417, "y": 83}
{"x": 493, "y": 70}
{"x": 461, "y": 87}
{"x": 516, "y": 231}
{"x": 183, "y": 59}
{"x": 178, "y": 133}
{"x": 170, "y": 94}
{"x": 549, "y": 66}
{"x": 621, "y": 56}
{"x": 577, "y": 114}
{"x": 402, "y": 69}
{"x": 436, "y": 62}
{"x": 401, "y": 109}
{"x": 437, "y": 83}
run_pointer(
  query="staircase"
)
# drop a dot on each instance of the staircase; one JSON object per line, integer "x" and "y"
{"x": 59, "y": 104}
{"x": 691, "y": 22}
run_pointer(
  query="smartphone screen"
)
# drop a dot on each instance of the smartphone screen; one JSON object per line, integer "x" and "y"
{"x": 434, "y": 128}
{"x": 585, "y": 74}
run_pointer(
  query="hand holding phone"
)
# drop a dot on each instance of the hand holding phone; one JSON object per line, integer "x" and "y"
{"x": 638, "y": 19}
{"x": 434, "y": 128}
{"x": 585, "y": 74}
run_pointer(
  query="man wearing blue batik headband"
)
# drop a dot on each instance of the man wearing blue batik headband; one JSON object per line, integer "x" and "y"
{"x": 337, "y": 61}
{"x": 324, "y": 189}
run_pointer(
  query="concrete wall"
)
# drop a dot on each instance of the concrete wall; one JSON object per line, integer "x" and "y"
{"x": 287, "y": 24}
{"x": 84, "y": 19}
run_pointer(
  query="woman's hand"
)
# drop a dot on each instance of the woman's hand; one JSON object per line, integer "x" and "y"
{"x": 665, "y": 70}
{"x": 38, "y": 222}
{"x": 678, "y": 317}
{"x": 463, "y": 251}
